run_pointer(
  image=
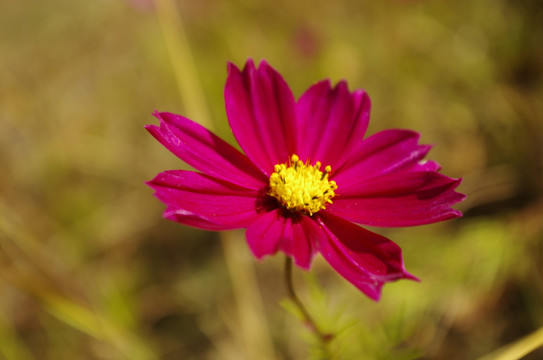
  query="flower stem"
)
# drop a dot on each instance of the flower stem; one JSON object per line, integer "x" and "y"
{"x": 183, "y": 62}
{"x": 519, "y": 348}
{"x": 308, "y": 320}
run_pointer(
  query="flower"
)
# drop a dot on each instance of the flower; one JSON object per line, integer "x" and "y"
{"x": 307, "y": 175}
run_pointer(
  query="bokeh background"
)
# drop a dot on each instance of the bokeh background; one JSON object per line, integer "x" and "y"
{"x": 90, "y": 270}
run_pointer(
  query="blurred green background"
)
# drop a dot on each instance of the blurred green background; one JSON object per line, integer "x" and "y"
{"x": 90, "y": 270}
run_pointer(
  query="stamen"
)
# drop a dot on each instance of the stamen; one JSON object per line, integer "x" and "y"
{"x": 302, "y": 188}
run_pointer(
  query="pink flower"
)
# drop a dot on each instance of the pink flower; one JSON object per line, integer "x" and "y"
{"x": 306, "y": 176}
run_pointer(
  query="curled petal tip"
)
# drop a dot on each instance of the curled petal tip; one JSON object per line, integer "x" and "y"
{"x": 156, "y": 113}
{"x": 264, "y": 65}
{"x": 410, "y": 277}
{"x": 342, "y": 84}
{"x": 231, "y": 68}
{"x": 249, "y": 64}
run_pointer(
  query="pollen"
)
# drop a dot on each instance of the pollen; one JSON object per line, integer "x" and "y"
{"x": 302, "y": 187}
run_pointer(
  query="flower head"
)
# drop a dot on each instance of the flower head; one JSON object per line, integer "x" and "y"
{"x": 308, "y": 173}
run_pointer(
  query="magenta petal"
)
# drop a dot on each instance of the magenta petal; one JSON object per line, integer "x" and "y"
{"x": 382, "y": 153}
{"x": 205, "y": 151}
{"x": 399, "y": 199}
{"x": 261, "y": 113}
{"x": 424, "y": 165}
{"x": 299, "y": 240}
{"x": 265, "y": 233}
{"x": 330, "y": 122}
{"x": 296, "y": 237}
{"x": 365, "y": 259}
{"x": 203, "y": 201}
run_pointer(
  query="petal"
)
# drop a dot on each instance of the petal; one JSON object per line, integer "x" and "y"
{"x": 265, "y": 233}
{"x": 365, "y": 259}
{"x": 261, "y": 112}
{"x": 275, "y": 231}
{"x": 330, "y": 122}
{"x": 425, "y": 165}
{"x": 382, "y": 153}
{"x": 205, "y": 151}
{"x": 399, "y": 199}
{"x": 299, "y": 240}
{"x": 204, "y": 201}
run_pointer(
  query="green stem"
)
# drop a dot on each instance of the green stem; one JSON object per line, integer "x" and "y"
{"x": 519, "y": 348}
{"x": 323, "y": 338}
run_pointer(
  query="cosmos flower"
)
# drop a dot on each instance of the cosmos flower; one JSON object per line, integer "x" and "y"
{"x": 307, "y": 175}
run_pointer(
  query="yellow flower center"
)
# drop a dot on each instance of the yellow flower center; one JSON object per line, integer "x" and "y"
{"x": 300, "y": 187}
